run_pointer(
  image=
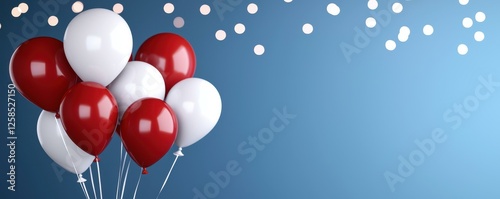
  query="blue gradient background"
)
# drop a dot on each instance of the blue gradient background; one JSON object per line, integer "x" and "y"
{"x": 353, "y": 119}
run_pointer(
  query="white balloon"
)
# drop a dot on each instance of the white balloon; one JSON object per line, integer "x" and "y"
{"x": 98, "y": 44}
{"x": 197, "y": 105}
{"x": 138, "y": 80}
{"x": 49, "y": 135}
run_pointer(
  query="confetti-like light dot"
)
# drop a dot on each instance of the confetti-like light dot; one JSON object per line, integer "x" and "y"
{"x": 0, "y": 26}
{"x": 467, "y": 22}
{"x": 462, "y": 49}
{"x": 288, "y": 1}
{"x": 307, "y": 28}
{"x": 403, "y": 37}
{"x": 333, "y": 9}
{"x": 479, "y": 36}
{"x": 259, "y": 49}
{"x": 428, "y": 30}
{"x": 252, "y": 8}
{"x": 463, "y": 2}
{"x": 370, "y": 22}
{"x": 178, "y": 22}
{"x": 390, "y": 45}
{"x": 220, "y": 35}
{"x": 16, "y": 12}
{"x": 53, "y": 21}
{"x": 480, "y": 17}
{"x": 404, "y": 30}
{"x": 23, "y": 7}
{"x": 118, "y": 8}
{"x": 205, "y": 9}
{"x": 372, "y": 4}
{"x": 77, "y": 7}
{"x": 397, "y": 7}
{"x": 239, "y": 28}
{"x": 168, "y": 8}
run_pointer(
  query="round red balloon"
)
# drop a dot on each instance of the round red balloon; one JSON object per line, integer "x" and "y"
{"x": 148, "y": 131}
{"x": 40, "y": 71}
{"x": 171, "y": 54}
{"x": 89, "y": 114}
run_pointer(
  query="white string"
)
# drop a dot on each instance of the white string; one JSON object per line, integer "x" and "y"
{"x": 85, "y": 188}
{"x": 59, "y": 130}
{"x": 99, "y": 177}
{"x": 125, "y": 180}
{"x": 84, "y": 193}
{"x": 92, "y": 180}
{"x": 123, "y": 166}
{"x": 119, "y": 171}
{"x": 177, "y": 154}
{"x": 137, "y": 186}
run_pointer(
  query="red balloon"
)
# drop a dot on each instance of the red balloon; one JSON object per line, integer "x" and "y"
{"x": 171, "y": 54}
{"x": 148, "y": 130}
{"x": 89, "y": 114}
{"x": 40, "y": 71}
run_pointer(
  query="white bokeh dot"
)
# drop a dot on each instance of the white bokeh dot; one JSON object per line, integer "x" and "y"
{"x": 390, "y": 45}
{"x": 220, "y": 35}
{"x": 333, "y": 9}
{"x": 53, "y": 21}
{"x": 118, "y": 8}
{"x": 462, "y": 49}
{"x": 403, "y": 37}
{"x": 77, "y": 7}
{"x": 0, "y": 26}
{"x": 16, "y": 12}
{"x": 480, "y": 17}
{"x": 467, "y": 22}
{"x": 479, "y": 36}
{"x": 428, "y": 30}
{"x": 307, "y": 28}
{"x": 405, "y": 30}
{"x": 288, "y": 1}
{"x": 239, "y": 28}
{"x": 463, "y": 2}
{"x": 397, "y": 7}
{"x": 252, "y": 8}
{"x": 370, "y": 22}
{"x": 205, "y": 9}
{"x": 372, "y": 4}
{"x": 178, "y": 22}
{"x": 169, "y": 8}
{"x": 259, "y": 49}
{"x": 23, "y": 7}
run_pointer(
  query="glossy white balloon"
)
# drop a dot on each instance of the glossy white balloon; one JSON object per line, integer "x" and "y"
{"x": 98, "y": 44}
{"x": 51, "y": 135}
{"x": 197, "y": 105}
{"x": 138, "y": 80}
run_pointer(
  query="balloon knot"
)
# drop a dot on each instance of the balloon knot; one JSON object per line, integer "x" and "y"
{"x": 81, "y": 179}
{"x": 58, "y": 116}
{"x": 179, "y": 152}
{"x": 97, "y": 159}
{"x": 144, "y": 171}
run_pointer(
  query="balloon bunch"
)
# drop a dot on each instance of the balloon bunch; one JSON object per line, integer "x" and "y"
{"x": 89, "y": 87}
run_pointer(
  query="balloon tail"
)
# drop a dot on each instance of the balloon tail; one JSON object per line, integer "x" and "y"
{"x": 137, "y": 186}
{"x": 177, "y": 154}
{"x": 119, "y": 171}
{"x": 125, "y": 180}
{"x": 92, "y": 181}
{"x": 99, "y": 177}
{"x": 144, "y": 171}
{"x": 81, "y": 179}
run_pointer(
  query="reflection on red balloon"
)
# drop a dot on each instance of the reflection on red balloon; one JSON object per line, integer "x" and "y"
{"x": 148, "y": 131}
{"x": 40, "y": 71}
{"x": 89, "y": 114}
{"x": 171, "y": 54}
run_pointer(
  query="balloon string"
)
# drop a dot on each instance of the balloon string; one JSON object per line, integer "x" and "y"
{"x": 125, "y": 180}
{"x": 137, "y": 186}
{"x": 123, "y": 169}
{"x": 119, "y": 171}
{"x": 86, "y": 192}
{"x": 99, "y": 177}
{"x": 92, "y": 180}
{"x": 177, "y": 154}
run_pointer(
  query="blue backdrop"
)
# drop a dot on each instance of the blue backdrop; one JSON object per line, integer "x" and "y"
{"x": 359, "y": 121}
